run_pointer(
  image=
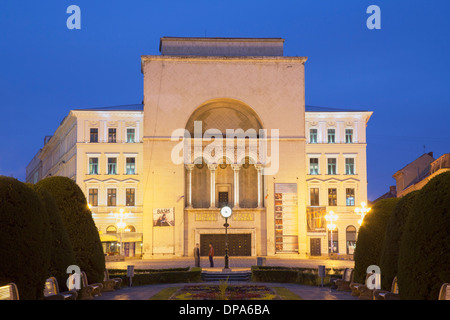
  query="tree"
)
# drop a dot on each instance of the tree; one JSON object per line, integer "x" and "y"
{"x": 24, "y": 239}
{"x": 79, "y": 224}
{"x": 371, "y": 237}
{"x": 425, "y": 246}
{"x": 392, "y": 239}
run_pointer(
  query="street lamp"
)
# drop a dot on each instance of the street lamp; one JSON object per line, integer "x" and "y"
{"x": 362, "y": 211}
{"x": 120, "y": 223}
{"x": 331, "y": 217}
{"x": 226, "y": 213}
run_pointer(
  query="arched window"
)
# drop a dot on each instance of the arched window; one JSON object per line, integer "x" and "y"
{"x": 335, "y": 241}
{"x": 350, "y": 239}
{"x": 111, "y": 229}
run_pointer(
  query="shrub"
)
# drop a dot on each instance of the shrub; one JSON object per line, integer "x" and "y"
{"x": 61, "y": 253}
{"x": 24, "y": 239}
{"x": 371, "y": 237}
{"x": 425, "y": 246}
{"x": 155, "y": 276}
{"x": 391, "y": 246}
{"x": 79, "y": 224}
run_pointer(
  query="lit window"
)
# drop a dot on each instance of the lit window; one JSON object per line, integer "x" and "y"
{"x": 93, "y": 197}
{"x": 130, "y": 135}
{"x": 349, "y": 166}
{"x": 130, "y": 197}
{"x": 348, "y": 135}
{"x": 331, "y": 165}
{"x": 313, "y": 166}
{"x": 112, "y": 197}
{"x": 350, "y": 196}
{"x": 112, "y": 165}
{"x": 331, "y": 136}
{"x": 313, "y": 136}
{"x": 93, "y": 165}
{"x": 314, "y": 196}
{"x": 130, "y": 166}
{"x": 332, "y": 197}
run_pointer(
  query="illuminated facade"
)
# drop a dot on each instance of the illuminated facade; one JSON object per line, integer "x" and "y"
{"x": 223, "y": 122}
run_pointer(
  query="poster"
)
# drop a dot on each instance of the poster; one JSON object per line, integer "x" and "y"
{"x": 286, "y": 217}
{"x": 163, "y": 217}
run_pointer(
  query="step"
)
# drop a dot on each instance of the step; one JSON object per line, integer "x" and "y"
{"x": 230, "y": 276}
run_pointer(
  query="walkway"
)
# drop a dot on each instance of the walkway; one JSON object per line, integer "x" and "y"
{"x": 236, "y": 264}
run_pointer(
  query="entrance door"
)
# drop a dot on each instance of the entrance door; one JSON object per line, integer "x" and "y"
{"x": 238, "y": 244}
{"x": 315, "y": 247}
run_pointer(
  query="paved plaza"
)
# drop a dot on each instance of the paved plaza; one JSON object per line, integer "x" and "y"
{"x": 236, "y": 264}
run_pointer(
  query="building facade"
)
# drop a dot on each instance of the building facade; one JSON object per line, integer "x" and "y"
{"x": 223, "y": 123}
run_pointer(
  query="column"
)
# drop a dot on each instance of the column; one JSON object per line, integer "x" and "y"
{"x": 236, "y": 168}
{"x": 212, "y": 170}
{"x": 259, "y": 169}
{"x": 189, "y": 168}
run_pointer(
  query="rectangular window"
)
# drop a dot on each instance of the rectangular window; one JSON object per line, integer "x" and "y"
{"x": 312, "y": 135}
{"x": 93, "y": 197}
{"x": 314, "y": 196}
{"x": 112, "y": 197}
{"x": 350, "y": 196}
{"x": 94, "y": 135}
{"x": 130, "y": 197}
{"x": 349, "y": 166}
{"x": 332, "y": 197}
{"x": 112, "y": 135}
{"x": 130, "y": 166}
{"x": 313, "y": 166}
{"x": 331, "y": 165}
{"x": 348, "y": 135}
{"x": 93, "y": 165}
{"x": 331, "y": 136}
{"x": 112, "y": 165}
{"x": 130, "y": 135}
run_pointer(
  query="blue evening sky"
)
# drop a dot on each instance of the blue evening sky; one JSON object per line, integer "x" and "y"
{"x": 401, "y": 72}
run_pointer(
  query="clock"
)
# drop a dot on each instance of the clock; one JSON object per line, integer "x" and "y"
{"x": 225, "y": 212}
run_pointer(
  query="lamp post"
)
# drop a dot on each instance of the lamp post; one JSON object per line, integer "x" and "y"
{"x": 331, "y": 217}
{"x": 226, "y": 213}
{"x": 362, "y": 211}
{"x": 120, "y": 223}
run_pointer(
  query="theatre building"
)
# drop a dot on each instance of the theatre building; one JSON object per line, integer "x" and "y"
{"x": 224, "y": 123}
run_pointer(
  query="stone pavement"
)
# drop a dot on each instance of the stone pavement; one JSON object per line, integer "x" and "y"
{"x": 236, "y": 264}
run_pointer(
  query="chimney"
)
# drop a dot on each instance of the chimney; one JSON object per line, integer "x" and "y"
{"x": 393, "y": 190}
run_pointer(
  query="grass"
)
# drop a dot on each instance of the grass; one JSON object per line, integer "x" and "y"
{"x": 165, "y": 293}
{"x": 286, "y": 294}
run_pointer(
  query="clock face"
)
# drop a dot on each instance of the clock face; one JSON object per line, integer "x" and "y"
{"x": 225, "y": 212}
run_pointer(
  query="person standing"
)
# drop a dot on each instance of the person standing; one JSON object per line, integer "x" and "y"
{"x": 211, "y": 255}
{"x": 197, "y": 255}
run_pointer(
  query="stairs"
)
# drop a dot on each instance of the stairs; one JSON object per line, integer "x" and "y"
{"x": 231, "y": 276}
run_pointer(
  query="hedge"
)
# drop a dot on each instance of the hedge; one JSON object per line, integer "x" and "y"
{"x": 423, "y": 262}
{"x": 24, "y": 239}
{"x": 371, "y": 237}
{"x": 156, "y": 276}
{"x": 79, "y": 224}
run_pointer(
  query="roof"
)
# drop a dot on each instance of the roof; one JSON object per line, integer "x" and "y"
{"x": 327, "y": 109}
{"x": 127, "y": 107}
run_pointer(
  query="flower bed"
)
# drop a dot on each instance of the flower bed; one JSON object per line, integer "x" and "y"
{"x": 221, "y": 292}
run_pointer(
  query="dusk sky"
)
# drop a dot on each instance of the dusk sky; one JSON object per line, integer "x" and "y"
{"x": 400, "y": 72}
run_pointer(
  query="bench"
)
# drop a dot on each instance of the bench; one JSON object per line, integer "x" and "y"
{"x": 344, "y": 283}
{"x": 354, "y": 286}
{"x": 111, "y": 284}
{"x": 89, "y": 290}
{"x": 9, "y": 292}
{"x": 51, "y": 291}
{"x": 388, "y": 295}
{"x": 444, "y": 293}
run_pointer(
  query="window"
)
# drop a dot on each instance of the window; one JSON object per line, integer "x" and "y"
{"x": 112, "y": 135}
{"x": 93, "y": 197}
{"x": 112, "y": 165}
{"x": 312, "y": 135}
{"x": 130, "y": 197}
{"x": 332, "y": 197}
{"x": 348, "y": 135}
{"x": 94, "y": 135}
{"x": 130, "y": 135}
{"x": 350, "y": 196}
{"x": 112, "y": 197}
{"x": 349, "y": 166}
{"x": 331, "y": 135}
{"x": 313, "y": 166}
{"x": 331, "y": 165}
{"x": 93, "y": 165}
{"x": 130, "y": 166}
{"x": 314, "y": 196}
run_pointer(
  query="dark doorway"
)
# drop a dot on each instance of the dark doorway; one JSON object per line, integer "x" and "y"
{"x": 315, "y": 247}
{"x": 238, "y": 244}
